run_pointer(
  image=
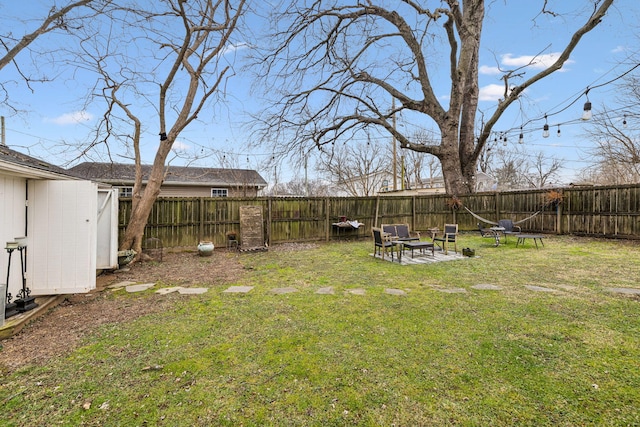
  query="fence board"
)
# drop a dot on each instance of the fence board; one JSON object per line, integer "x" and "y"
{"x": 597, "y": 211}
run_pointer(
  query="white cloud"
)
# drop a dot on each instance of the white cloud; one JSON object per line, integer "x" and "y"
{"x": 491, "y": 92}
{"x": 485, "y": 69}
{"x": 71, "y": 118}
{"x": 180, "y": 146}
{"x": 230, "y": 48}
{"x": 619, "y": 49}
{"x": 536, "y": 62}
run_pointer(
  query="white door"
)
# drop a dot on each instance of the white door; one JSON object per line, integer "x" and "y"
{"x": 107, "y": 238}
{"x": 61, "y": 237}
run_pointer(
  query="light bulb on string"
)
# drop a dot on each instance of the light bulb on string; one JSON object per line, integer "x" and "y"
{"x": 545, "y": 128}
{"x": 521, "y": 138}
{"x": 559, "y": 134}
{"x": 624, "y": 121}
{"x": 586, "y": 111}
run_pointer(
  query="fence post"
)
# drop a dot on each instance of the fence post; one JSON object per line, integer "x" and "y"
{"x": 201, "y": 219}
{"x": 269, "y": 213}
{"x": 559, "y": 215}
{"x": 413, "y": 212}
{"x": 327, "y": 223}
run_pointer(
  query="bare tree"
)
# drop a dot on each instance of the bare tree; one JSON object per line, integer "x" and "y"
{"x": 507, "y": 169}
{"x": 167, "y": 61}
{"x": 516, "y": 168}
{"x": 610, "y": 172}
{"x": 421, "y": 169}
{"x": 616, "y": 134}
{"x": 57, "y": 19}
{"x": 301, "y": 188}
{"x": 542, "y": 171}
{"x": 54, "y": 21}
{"x": 358, "y": 170}
{"x": 337, "y": 66}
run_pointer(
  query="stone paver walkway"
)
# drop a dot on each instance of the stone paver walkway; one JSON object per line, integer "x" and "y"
{"x": 139, "y": 288}
{"x": 626, "y": 291}
{"x": 238, "y": 289}
{"x": 452, "y": 290}
{"x": 329, "y": 290}
{"x": 394, "y": 292}
{"x": 192, "y": 291}
{"x": 282, "y": 291}
{"x": 539, "y": 288}
{"x": 165, "y": 291}
{"x": 487, "y": 287}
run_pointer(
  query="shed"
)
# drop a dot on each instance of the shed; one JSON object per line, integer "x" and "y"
{"x": 67, "y": 227}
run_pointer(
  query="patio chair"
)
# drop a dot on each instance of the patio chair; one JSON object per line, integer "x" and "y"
{"x": 450, "y": 235}
{"x": 389, "y": 230}
{"x": 403, "y": 233}
{"x": 509, "y": 227}
{"x": 400, "y": 232}
{"x": 381, "y": 244}
{"x": 489, "y": 234}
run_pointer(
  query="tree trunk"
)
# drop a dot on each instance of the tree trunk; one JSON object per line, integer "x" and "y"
{"x": 135, "y": 229}
{"x": 452, "y": 173}
{"x": 457, "y": 161}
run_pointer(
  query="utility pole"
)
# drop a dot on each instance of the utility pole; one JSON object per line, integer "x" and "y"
{"x": 3, "y": 140}
{"x": 306, "y": 178}
{"x": 395, "y": 166}
{"x": 402, "y": 177}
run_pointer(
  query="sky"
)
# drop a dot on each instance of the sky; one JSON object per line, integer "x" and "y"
{"x": 55, "y": 111}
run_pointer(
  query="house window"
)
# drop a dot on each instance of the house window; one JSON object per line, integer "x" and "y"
{"x": 125, "y": 191}
{"x": 219, "y": 192}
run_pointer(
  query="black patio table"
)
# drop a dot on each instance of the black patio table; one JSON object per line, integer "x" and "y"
{"x": 413, "y": 244}
{"x": 535, "y": 237}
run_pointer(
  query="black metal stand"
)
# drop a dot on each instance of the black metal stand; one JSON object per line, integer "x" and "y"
{"x": 25, "y": 301}
{"x": 10, "y": 309}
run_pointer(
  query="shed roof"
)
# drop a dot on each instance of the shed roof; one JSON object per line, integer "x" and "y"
{"x": 27, "y": 165}
{"x": 124, "y": 174}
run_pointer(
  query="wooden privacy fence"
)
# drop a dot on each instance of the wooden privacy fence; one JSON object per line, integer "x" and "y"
{"x": 593, "y": 211}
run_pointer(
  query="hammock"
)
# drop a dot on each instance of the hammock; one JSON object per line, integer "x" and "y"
{"x": 495, "y": 223}
{"x": 479, "y": 217}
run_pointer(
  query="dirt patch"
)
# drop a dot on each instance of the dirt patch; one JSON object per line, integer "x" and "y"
{"x": 60, "y": 330}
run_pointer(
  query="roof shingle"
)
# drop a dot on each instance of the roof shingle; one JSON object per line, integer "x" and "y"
{"x": 120, "y": 173}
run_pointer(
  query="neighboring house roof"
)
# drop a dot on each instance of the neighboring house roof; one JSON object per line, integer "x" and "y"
{"x": 123, "y": 174}
{"x": 21, "y": 164}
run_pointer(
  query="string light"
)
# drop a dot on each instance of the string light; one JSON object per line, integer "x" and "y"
{"x": 558, "y": 131}
{"x": 587, "y": 108}
{"x": 545, "y": 128}
{"x": 521, "y": 138}
{"x": 586, "y": 112}
{"x": 624, "y": 121}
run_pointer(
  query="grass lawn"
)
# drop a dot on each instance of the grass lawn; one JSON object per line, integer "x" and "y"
{"x": 504, "y": 357}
